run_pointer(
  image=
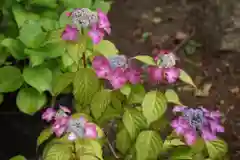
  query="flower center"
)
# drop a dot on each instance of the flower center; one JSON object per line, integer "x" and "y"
{"x": 195, "y": 118}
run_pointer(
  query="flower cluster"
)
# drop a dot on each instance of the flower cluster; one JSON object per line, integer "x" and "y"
{"x": 165, "y": 68}
{"x": 117, "y": 70}
{"x": 83, "y": 17}
{"x": 197, "y": 122}
{"x": 63, "y": 123}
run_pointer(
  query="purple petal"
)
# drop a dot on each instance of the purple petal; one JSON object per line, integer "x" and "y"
{"x": 72, "y": 136}
{"x": 179, "y": 108}
{"x": 48, "y": 114}
{"x": 215, "y": 126}
{"x": 207, "y": 135}
{"x": 190, "y": 137}
{"x": 103, "y": 21}
{"x": 96, "y": 35}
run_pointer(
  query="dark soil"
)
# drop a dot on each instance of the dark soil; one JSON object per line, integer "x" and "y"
{"x": 131, "y": 18}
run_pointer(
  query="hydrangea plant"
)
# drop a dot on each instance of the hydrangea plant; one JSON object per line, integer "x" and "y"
{"x": 59, "y": 48}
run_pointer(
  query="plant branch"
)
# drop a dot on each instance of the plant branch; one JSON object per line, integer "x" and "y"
{"x": 112, "y": 149}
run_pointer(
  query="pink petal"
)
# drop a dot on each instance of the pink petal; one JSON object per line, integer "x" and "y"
{"x": 155, "y": 73}
{"x": 101, "y": 66}
{"x": 215, "y": 126}
{"x": 171, "y": 74}
{"x": 118, "y": 78}
{"x": 65, "y": 109}
{"x": 68, "y": 14}
{"x": 190, "y": 137}
{"x": 164, "y": 51}
{"x": 103, "y": 21}
{"x": 90, "y": 130}
{"x": 70, "y": 33}
{"x": 96, "y": 34}
{"x": 48, "y": 114}
{"x": 133, "y": 76}
{"x": 59, "y": 131}
{"x": 179, "y": 108}
{"x": 207, "y": 135}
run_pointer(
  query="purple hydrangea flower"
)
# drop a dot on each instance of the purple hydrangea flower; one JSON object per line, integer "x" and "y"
{"x": 197, "y": 122}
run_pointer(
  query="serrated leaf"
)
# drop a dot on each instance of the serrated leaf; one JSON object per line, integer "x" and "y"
{"x": 88, "y": 147}
{"x": 169, "y": 143}
{"x": 21, "y": 15}
{"x": 137, "y": 94}
{"x": 148, "y": 145}
{"x": 103, "y": 5}
{"x": 134, "y": 122}
{"x": 18, "y": 157}
{"x": 186, "y": 78}
{"x": 30, "y": 101}
{"x": 85, "y": 85}
{"x": 154, "y": 106}
{"x": 146, "y": 59}
{"x": 100, "y": 102}
{"x": 31, "y": 34}
{"x": 172, "y": 97}
{"x": 15, "y": 47}
{"x": 44, "y": 135}
{"x": 106, "y": 48}
{"x": 216, "y": 148}
{"x": 39, "y": 78}
{"x": 61, "y": 82}
{"x": 10, "y": 79}
{"x": 123, "y": 141}
{"x": 57, "y": 151}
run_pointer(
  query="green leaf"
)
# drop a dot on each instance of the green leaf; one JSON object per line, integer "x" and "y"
{"x": 10, "y": 79}
{"x": 75, "y": 51}
{"x": 154, "y": 106}
{"x": 44, "y": 135}
{"x": 18, "y": 157}
{"x": 85, "y": 85}
{"x": 61, "y": 82}
{"x": 137, "y": 94}
{"x": 54, "y": 37}
{"x": 172, "y": 97}
{"x": 77, "y": 4}
{"x": 30, "y": 101}
{"x": 15, "y": 47}
{"x": 148, "y": 145}
{"x": 126, "y": 90}
{"x": 66, "y": 60}
{"x": 100, "y": 102}
{"x": 39, "y": 78}
{"x": 104, "y": 6}
{"x": 106, "y": 48}
{"x": 21, "y": 15}
{"x": 87, "y": 148}
{"x": 108, "y": 115}
{"x": 186, "y": 78}
{"x": 169, "y": 143}
{"x": 134, "y": 121}
{"x": 216, "y": 149}
{"x": 57, "y": 151}
{"x": 181, "y": 153}
{"x": 1, "y": 98}
{"x": 31, "y": 34}
{"x": 123, "y": 141}
{"x": 3, "y": 55}
{"x": 64, "y": 19}
{"x": 146, "y": 59}
{"x": 48, "y": 24}
{"x": 45, "y": 3}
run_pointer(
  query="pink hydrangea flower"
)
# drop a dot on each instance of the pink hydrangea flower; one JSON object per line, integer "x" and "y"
{"x": 101, "y": 66}
{"x": 103, "y": 22}
{"x": 133, "y": 75}
{"x": 96, "y": 34}
{"x": 70, "y": 33}
{"x": 171, "y": 74}
{"x": 49, "y": 114}
{"x": 155, "y": 74}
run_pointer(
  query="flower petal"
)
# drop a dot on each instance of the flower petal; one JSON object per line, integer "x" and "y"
{"x": 155, "y": 73}
{"x": 48, "y": 114}
{"x": 179, "y": 108}
{"x": 118, "y": 78}
{"x": 90, "y": 130}
{"x": 101, "y": 66}
{"x": 171, "y": 74}
{"x": 70, "y": 33}
{"x": 190, "y": 137}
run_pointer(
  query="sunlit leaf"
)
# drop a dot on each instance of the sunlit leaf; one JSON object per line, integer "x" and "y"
{"x": 134, "y": 121}
{"x": 61, "y": 82}
{"x": 154, "y": 106}
{"x": 186, "y": 78}
{"x": 148, "y": 145}
{"x": 216, "y": 148}
{"x": 123, "y": 141}
{"x": 169, "y": 143}
{"x": 18, "y": 157}
{"x": 146, "y": 59}
{"x": 106, "y": 48}
{"x": 172, "y": 97}
{"x": 85, "y": 85}
{"x": 44, "y": 135}
{"x": 15, "y": 47}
